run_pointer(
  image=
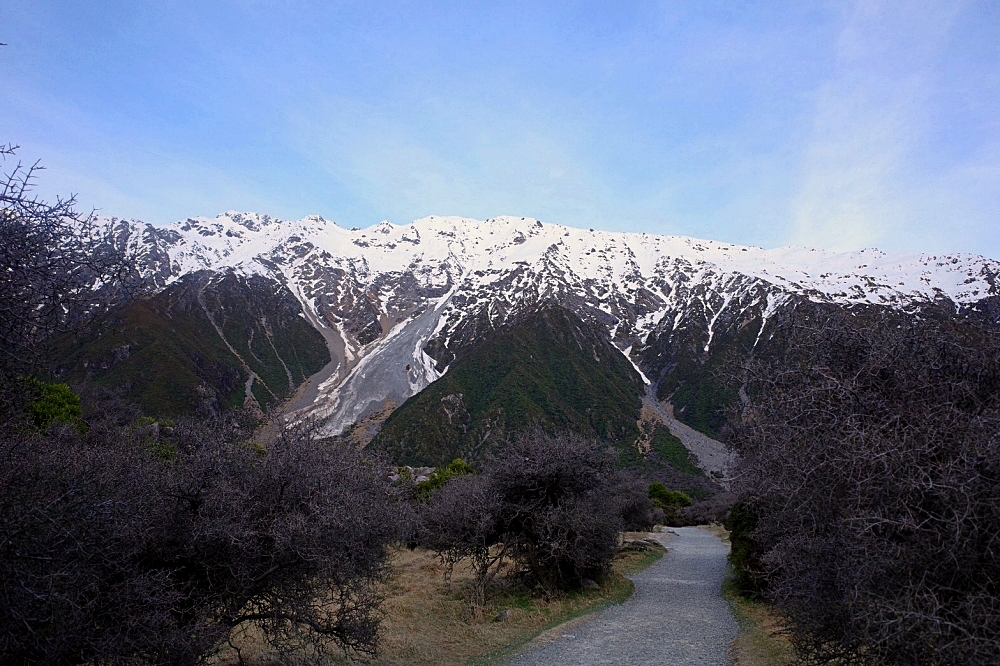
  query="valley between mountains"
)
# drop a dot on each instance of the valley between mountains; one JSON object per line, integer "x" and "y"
{"x": 461, "y": 330}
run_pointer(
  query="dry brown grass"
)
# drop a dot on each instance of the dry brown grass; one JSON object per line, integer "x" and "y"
{"x": 718, "y": 530}
{"x": 764, "y": 638}
{"x": 428, "y": 621}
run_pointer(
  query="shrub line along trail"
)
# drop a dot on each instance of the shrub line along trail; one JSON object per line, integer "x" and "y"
{"x": 677, "y": 615}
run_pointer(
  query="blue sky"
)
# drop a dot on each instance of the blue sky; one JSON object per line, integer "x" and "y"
{"x": 835, "y": 125}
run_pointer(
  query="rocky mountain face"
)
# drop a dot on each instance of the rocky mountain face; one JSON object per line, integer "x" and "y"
{"x": 397, "y": 306}
{"x": 207, "y": 339}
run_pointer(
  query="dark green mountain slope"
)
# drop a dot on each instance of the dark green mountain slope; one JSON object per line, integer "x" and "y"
{"x": 549, "y": 369}
{"x": 699, "y": 383}
{"x": 166, "y": 350}
{"x": 704, "y": 387}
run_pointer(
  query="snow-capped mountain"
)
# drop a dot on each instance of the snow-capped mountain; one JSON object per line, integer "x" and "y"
{"x": 395, "y": 303}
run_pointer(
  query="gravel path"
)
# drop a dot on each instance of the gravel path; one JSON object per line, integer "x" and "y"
{"x": 676, "y": 616}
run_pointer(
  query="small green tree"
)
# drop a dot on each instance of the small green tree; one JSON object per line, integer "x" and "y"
{"x": 56, "y": 403}
{"x": 455, "y": 468}
{"x": 665, "y": 499}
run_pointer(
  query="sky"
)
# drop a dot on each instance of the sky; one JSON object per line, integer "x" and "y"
{"x": 828, "y": 124}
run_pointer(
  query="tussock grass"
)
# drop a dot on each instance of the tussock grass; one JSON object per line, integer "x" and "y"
{"x": 764, "y": 639}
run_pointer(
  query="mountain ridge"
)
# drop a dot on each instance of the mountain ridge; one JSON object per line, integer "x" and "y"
{"x": 239, "y": 239}
{"x": 402, "y": 301}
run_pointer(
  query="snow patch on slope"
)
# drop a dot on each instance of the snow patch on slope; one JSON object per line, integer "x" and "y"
{"x": 408, "y": 284}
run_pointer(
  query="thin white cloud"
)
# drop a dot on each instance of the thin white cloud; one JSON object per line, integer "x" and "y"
{"x": 478, "y": 158}
{"x": 861, "y": 140}
{"x": 869, "y": 118}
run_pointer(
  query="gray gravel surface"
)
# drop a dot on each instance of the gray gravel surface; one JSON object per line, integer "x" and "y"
{"x": 676, "y": 616}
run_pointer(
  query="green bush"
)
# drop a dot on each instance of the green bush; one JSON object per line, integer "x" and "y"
{"x": 165, "y": 449}
{"x": 744, "y": 552}
{"x": 56, "y": 403}
{"x": 153, "y": 430}
{"x": 456, "y": 467}
{"x": 664, "y": 498}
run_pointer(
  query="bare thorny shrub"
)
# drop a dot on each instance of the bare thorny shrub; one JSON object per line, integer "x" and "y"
{"x": 58, "y": 268}
{"x": 870, "y": 459}
{"x": 551, "y": 507}
{"x": 299, "y": 533}
{"x": 125, "y": 546}
{"x": 460, "y": 524}
{"x": 124, "y": 543}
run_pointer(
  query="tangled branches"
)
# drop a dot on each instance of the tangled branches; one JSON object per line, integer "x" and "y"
{"x": 136, "y": 543}
{"x": 552, "y": 505}
{"x": 58, "y": 268}
{"x": 870, "y": 459}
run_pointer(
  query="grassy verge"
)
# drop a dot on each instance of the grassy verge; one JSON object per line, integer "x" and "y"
{"x": 763, "y": 638}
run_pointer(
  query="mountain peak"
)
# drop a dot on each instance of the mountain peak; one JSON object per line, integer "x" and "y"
{"x": 254, "y": 242}
{"x": 396, "y": 303}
